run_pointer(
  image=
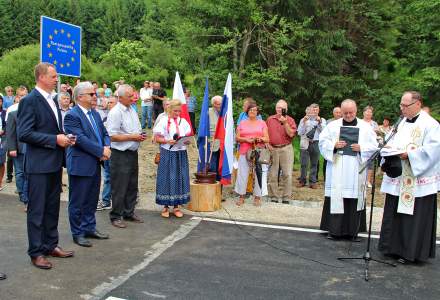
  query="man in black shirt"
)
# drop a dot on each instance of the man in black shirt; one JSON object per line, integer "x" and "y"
{"x": 159, "y": 95}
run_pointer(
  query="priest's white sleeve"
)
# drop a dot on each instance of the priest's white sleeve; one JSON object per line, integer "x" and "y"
{"x": 327, "y": 141}
{"x": 367, "y": 142}
{"x": 427, "y": 156}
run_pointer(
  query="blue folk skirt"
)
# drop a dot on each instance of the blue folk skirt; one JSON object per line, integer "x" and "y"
{"x": 172, "y": 181}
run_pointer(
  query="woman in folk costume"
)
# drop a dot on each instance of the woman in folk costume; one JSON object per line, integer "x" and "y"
{"x": 172, "y": 181}
{"x": 409, "y": 221}
{"x": 343, "y": 214}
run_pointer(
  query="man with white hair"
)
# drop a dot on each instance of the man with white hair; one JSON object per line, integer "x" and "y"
{"x": 346, "y": 144}
{"x": 126, "y": 134}
{"x": 310, "y": 127}
{"x": 214, "y": 113}
{"x": 282, "y": 129}
{"x": 84, "y": 163}
{"x": 411, "y": 184}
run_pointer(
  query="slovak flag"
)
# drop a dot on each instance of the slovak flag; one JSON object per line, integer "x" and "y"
{"x": 225, "y": 133}
{"x": 180, "y": 95}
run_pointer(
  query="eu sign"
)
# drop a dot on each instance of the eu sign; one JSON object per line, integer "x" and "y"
{"x": 60, "y": 45}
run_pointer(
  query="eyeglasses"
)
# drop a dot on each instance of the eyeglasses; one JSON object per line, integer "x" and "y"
{"x": 90, "y": 94}
{"x": 406, "y": 105}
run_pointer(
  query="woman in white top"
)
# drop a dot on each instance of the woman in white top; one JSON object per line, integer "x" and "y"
{"x": 172, "y": 181}
{"x": 368, "y": 117}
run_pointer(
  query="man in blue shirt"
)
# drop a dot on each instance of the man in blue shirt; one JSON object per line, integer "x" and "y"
{"x": 191, "y": 103}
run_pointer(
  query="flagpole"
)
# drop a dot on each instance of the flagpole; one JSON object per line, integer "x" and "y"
{"x": 206, "y": 154}
{"x": 197, "y": 148}
{"x": 210, "y": 154}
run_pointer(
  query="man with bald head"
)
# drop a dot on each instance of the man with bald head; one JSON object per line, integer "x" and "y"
{"x": 343, "y": 214}
{"x": 282, "y": 129}
{"x": 409, "y": 221}
{"x": 126, "y": 135}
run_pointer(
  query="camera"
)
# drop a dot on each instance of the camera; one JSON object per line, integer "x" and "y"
{"x": 284, "y": 112}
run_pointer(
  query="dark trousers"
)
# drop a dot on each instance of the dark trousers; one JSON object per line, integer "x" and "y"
{"x": 157, "y": 110}
{"x": 83, "y": 199}
{"x": 9, "y": 167}
{"x": 312, "y": 154}
{"x": 124, "y": 179}
{"x": 43, "y": 211}
{"x": 192, "y": 117}
{"x": 215, "y": 161}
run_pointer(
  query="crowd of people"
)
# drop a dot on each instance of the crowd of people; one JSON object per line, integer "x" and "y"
{"x": 91, "y": 130}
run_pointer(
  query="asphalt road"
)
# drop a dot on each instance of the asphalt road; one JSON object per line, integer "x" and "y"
{"x": 193, "y": 259}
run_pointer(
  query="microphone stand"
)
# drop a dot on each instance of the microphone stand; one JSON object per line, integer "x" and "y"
{"x": 373, "y": 158}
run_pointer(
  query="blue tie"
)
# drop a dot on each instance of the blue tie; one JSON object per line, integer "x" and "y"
{"x": 95, "y": 127}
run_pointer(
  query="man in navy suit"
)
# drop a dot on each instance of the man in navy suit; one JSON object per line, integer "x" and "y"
{"x": 92, "y": 146}
{"x": 39, "y": 126}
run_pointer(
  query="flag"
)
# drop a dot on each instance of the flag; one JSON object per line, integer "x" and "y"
{"x": 203, "y": 132}
{"x": 225, "y": 133}
{"x": 180, "y": 95}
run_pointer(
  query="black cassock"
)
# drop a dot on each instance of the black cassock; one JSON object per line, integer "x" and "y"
{"x": 347, "y": 224}
{"x": 411, "y": 237}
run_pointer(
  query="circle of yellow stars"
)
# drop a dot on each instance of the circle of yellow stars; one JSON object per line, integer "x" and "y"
{"x": 62, "y": 31}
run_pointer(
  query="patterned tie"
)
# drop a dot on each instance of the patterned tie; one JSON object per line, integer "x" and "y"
{"x": 95, "y": 127}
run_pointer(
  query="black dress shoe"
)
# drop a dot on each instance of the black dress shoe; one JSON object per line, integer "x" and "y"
{"x": 355, "y": 239}
{"x": 82, "y": 241}
{"x": 97, "y": 235}
{"x": 402, "y": 261}
{"x": 134, "y": 218}
{"x": 3, "y": 276}
{"x": 331, "y": 237}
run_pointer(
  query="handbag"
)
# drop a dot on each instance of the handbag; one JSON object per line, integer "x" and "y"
{"x": 264, "y": 155}
{"x": 311, "y": 134}
{"x": 157, "y": 158}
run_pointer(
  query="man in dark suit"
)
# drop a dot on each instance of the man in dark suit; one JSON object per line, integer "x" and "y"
{"x": 16, "y": 150}
{"x": 92, "y": 146}
{"x": 39, "y": 126}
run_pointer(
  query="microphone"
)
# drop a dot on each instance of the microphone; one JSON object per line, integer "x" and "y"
{"x": 396, "y": 125}
{"x": 175, "y": 137}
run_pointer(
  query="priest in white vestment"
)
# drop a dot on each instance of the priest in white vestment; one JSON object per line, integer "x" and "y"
{"x": 409, "y": 221}
{"x": 343, "y": 214}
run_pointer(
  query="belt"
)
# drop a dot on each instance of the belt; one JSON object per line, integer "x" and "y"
{"x": 280, "y": 146}
{"x": 314, "y": 141}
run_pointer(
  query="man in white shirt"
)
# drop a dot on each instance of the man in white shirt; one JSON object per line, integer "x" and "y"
{"x": 147, "y": 104}
{"x": 125, "y": 131}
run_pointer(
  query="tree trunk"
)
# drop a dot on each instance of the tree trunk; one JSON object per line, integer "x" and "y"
{"x": 247, "y": 36}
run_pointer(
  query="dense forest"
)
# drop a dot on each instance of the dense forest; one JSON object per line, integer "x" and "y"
{"x": 304, "y": 51}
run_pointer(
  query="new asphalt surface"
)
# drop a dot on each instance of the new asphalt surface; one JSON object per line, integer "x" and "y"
{"x": 198, "y": 259}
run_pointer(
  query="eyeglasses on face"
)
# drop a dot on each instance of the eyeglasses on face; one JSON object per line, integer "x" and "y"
{"x": 406, "y": 105}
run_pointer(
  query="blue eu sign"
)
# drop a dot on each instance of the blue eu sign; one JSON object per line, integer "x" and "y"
{"x": 60, "y": 45}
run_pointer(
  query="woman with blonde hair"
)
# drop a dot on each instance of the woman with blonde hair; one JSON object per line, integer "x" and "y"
{"x": 172, "y": 181}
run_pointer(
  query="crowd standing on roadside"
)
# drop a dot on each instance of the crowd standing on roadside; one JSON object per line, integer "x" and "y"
{"x": 96, "y": 133}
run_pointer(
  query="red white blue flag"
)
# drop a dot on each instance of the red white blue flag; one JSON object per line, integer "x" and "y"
{"x": 225, "y": 133}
